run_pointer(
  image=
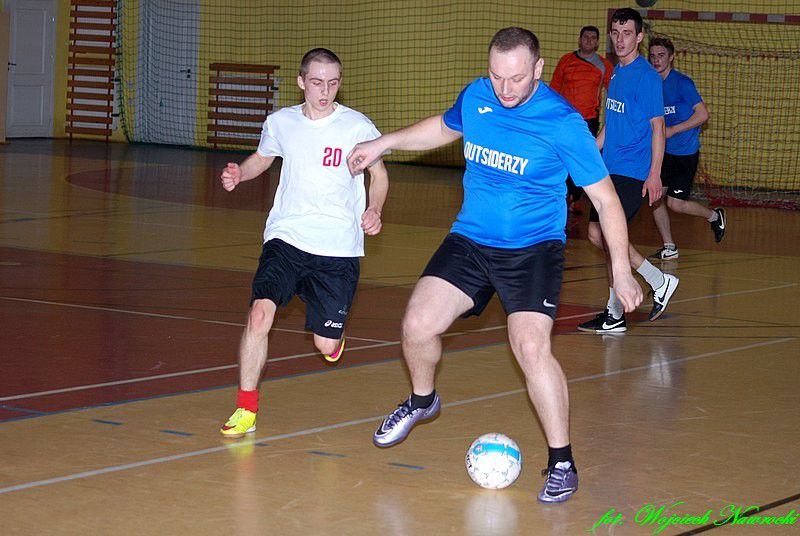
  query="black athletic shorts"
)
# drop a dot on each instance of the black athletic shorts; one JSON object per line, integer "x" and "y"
{"x": 629, "y": 191}
{"x": 576, "y": 192}
{"x": 326, "y": 284}
{"x": 525, "y": 279}
{"x": 677, "y": 174}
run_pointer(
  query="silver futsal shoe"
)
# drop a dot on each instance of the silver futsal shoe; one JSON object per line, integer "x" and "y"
{"x": 396, "y": 427}
{"x": 561, "y": 482}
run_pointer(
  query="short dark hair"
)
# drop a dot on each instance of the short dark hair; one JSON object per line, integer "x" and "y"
{"x": 625, "y": 14}
{"x": 513, "y": 37}
{"x": 589, "y": 29}
{"x": 662, "y": 42}
{"x": 322, "y": 55}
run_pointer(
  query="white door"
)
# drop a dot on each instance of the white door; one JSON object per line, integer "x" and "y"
{"x": 168, "y": 52}
{"x": 30, "y": 72}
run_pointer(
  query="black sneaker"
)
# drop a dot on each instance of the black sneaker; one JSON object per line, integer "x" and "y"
{"x": 719, "y": 225}
{"x": 604, "y": 323}
{"x": 664, "y": 254}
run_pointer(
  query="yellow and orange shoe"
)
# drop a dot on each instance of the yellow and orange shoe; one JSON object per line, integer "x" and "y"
{"x": 334, "y": 357}
{"x": 240, "y": 423}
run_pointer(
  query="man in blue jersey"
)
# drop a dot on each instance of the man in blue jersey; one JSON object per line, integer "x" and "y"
{"x": 684, "y": 113}
{"x": 520, "y": 140}
{"x": 632, "y": 141}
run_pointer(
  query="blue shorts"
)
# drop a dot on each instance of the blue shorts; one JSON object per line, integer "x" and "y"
{"x": 525, "y": 279}
{"x": 325, "y": 284}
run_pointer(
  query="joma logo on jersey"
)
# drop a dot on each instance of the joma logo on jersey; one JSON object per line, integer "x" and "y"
{"x": 332, "y": 157}
{"x": 615, "y": 106}
{"x": 669, "y": 110}
{"x": 332, "y": 324}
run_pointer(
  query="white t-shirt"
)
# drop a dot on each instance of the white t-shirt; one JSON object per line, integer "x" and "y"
{"x": 318, "y": 205}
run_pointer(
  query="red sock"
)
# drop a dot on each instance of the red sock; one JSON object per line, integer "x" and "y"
{"x": 247, "y": 400}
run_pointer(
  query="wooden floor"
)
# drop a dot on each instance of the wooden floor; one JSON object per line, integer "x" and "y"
{"x": 124, "y": 281}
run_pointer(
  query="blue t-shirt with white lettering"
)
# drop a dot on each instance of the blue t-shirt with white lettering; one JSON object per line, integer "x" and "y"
{"x": 634, "y": 98}
{"x": 517, "y": 162}
{"x": 680, "y": 98}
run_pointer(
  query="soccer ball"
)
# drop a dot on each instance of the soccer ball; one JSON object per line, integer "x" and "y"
{"x": 494, "y": 461}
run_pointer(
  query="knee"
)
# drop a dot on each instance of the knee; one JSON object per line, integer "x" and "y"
{"x": 418, "y": 326}
{"x": 259, "y": 319}
{"x": 595, "y": 235}
{"x": 326, "y": 346}
{"x": 676, "y": 205}
{"x": 531, "y": 356}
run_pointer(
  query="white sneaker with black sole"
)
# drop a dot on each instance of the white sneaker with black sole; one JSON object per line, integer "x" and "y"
{"x": 662, "y": 295}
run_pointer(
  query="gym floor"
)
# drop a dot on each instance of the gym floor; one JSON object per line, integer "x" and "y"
{"x": 125, "y": 273}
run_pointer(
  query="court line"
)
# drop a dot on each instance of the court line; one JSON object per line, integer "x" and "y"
{"x": 378, "y": 344}
{"x": 160, "y": 315}
{"x": 174, "y": 374}
{"x": 346, "y": 424}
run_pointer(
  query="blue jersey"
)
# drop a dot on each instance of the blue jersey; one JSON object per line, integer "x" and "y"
{"x": 680, "y": 98}
{"x": 517, "y": 163}
{"x": 634, "y": 98}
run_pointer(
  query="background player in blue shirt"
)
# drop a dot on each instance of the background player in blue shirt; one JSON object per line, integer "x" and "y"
{"x": 520, "y": 140}
{"x": 633, "y": 147}
{"x": 684, "y": 113}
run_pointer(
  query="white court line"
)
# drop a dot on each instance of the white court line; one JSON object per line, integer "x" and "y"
{"x": 735, "y": 293}
{"x": 175, "y": 374}
{"x": 378, "y": 344}
{"x": 687, "y": 273}
{"x": 158, "y": 315}
{"x": 345, "y": 424}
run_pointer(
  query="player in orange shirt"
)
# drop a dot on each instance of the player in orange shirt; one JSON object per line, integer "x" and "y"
{"x": 579, "y": 77}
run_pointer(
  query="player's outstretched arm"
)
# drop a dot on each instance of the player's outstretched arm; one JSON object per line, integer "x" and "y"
{"x": 428, "y": 134}
{"x": 652, "y": 186}
{"x": 252, "y": 167}
{"x": 615, "y": 232}
{"x": 378, "y": 190}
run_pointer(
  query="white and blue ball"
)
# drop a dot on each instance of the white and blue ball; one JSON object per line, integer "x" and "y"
{"x": 494, "y": 461}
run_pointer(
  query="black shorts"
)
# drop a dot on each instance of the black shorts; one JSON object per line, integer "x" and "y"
{"x": 326, "y": 284}
{"x": 594, "y": 125}
{"x": 629, "y": 191}
{"x": 576, "y": 192}
{"x": 525, "y": 279}
{"x": 677, "y": 174}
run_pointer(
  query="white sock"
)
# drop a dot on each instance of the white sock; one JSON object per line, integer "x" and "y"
{"x": 615, "y": 308}
{"x": 714, "y": 216}
{"x": 669, "y": 245}
{"x": 651, "y": 274}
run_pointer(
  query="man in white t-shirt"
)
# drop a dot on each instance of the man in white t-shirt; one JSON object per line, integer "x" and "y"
{"x": 314, "y": 234}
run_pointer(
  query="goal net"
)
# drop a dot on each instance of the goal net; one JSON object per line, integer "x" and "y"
{"x": 747, "y": 69}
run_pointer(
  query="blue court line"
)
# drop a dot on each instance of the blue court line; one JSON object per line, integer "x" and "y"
{"x": 33, "y": 412}
{"x": 329, "y": 454}
{"x": 113, "y": 423}
{"x": 406, "y": 466}
{"x": 176, "y": 432}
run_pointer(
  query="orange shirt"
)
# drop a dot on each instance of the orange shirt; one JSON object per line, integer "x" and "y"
{"x": 579, "y": 80}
